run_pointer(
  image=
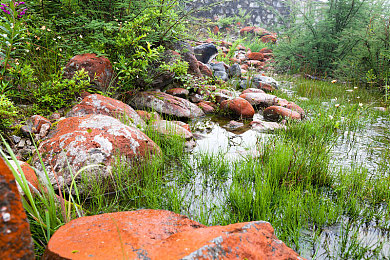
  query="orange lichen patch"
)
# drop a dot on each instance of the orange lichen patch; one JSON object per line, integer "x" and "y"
{"x": 160, "y": 234}
{"x": 99, "y": 69}
{"x": 255, "y": 56}
{"x": 15, "y": 238}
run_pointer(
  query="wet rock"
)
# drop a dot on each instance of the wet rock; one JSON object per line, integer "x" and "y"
{"x": 22, "y": 143}
{"x": 33, "y": 125}
{"x": 44, "y": 130}
{"x": 264, "y": 79}
{"x": 232, "y": 125}
{"x": 187, "y": 53}
{"x": 235, "y": 71}
{"x": 281, "y": 102}
{"x": 253, "y": 90}
{"x": 255, "y": 56}
{"x": 219, "y": 66}
{"x": 98, "y": 104}
{"x": 196, "y": 98}
{"x": 295, "y": 107}
{"x": 266, "y": 87}
{"x": 262, "y": 126}
{"x": 205, "y": 52}
{"x": 15, "y": 239}
{"x": 259, "y": 99}
{"x": 160, "y": 234}
{"x": 99, "y": 69}
{"x": 221, "y": 75}
{"x": 30, "y": 175}
{"x": 90, "y": 140}
{"x": 207, "y": 107}
{"x": 239, "y": 107}
{"x": 171, "y": 128}
{"x": 277, "y": 113}
{"x": 166, "y": 104}
{"x": 178, "y": 92}
{"x": 204, "y": 69}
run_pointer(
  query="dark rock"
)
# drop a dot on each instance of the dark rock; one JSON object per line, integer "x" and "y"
{"x": 235, "y": 71}
{"x": 221, "y": 75}
{"x": 205, "y": 52}
{"x": 219, "y": 66}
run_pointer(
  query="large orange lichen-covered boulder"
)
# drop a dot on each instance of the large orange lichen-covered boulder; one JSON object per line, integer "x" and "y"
{"x": 161, "y": 234}
{"x": 239, "y": 107}
{"x": 90, "y": 140}
{"x": 98, "y": 104}
{"x": 15, "y": 238}
{"x": 99, "y": 69}
{"x": 165, "y": 104}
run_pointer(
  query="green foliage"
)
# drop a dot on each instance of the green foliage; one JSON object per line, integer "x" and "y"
{"x": 321, "y": 38}
{"x": 7, "y": 111}
{"x": 12, "y": 33}
{"x": 58, "y": 92}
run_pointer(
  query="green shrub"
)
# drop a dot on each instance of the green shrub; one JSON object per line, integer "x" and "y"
{"x": 7, "y": 111}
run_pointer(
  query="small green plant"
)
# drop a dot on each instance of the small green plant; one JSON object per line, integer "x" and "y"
{"x": 12, "y": 32}
{"x": 7, "y": 111}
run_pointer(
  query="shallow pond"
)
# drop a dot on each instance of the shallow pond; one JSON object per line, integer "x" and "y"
{"x": 364, "y": 148}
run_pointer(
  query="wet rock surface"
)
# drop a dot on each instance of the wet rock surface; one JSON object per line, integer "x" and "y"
{"x": 166, "y": 104}
{"x": 98, "y": 104}
{"x": 161, "y": 234}
{"x": 90, "y": 140}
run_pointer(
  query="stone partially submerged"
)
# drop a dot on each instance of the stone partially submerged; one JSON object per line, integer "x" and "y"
{"x": 166, "y": 104}
{"x": 90, "y": 140}
{"x": 161, "y": 234}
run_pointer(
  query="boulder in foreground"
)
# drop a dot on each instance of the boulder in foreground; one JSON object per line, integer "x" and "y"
{"x": 161, "y": 234}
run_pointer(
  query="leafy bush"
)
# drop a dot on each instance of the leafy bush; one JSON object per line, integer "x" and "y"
{"x": 323, "y": 37}
{"x": 341, "y": 38}
{"x": 7, "y": 111}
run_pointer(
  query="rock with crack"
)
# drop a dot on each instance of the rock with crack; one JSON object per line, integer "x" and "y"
{"x": 161, "y": 234}
{"x": 92, "y": 140}
{"x": 165, "y": 104}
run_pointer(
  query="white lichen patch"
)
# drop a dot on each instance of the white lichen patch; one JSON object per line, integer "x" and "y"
{"x": 105, "y": 144}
